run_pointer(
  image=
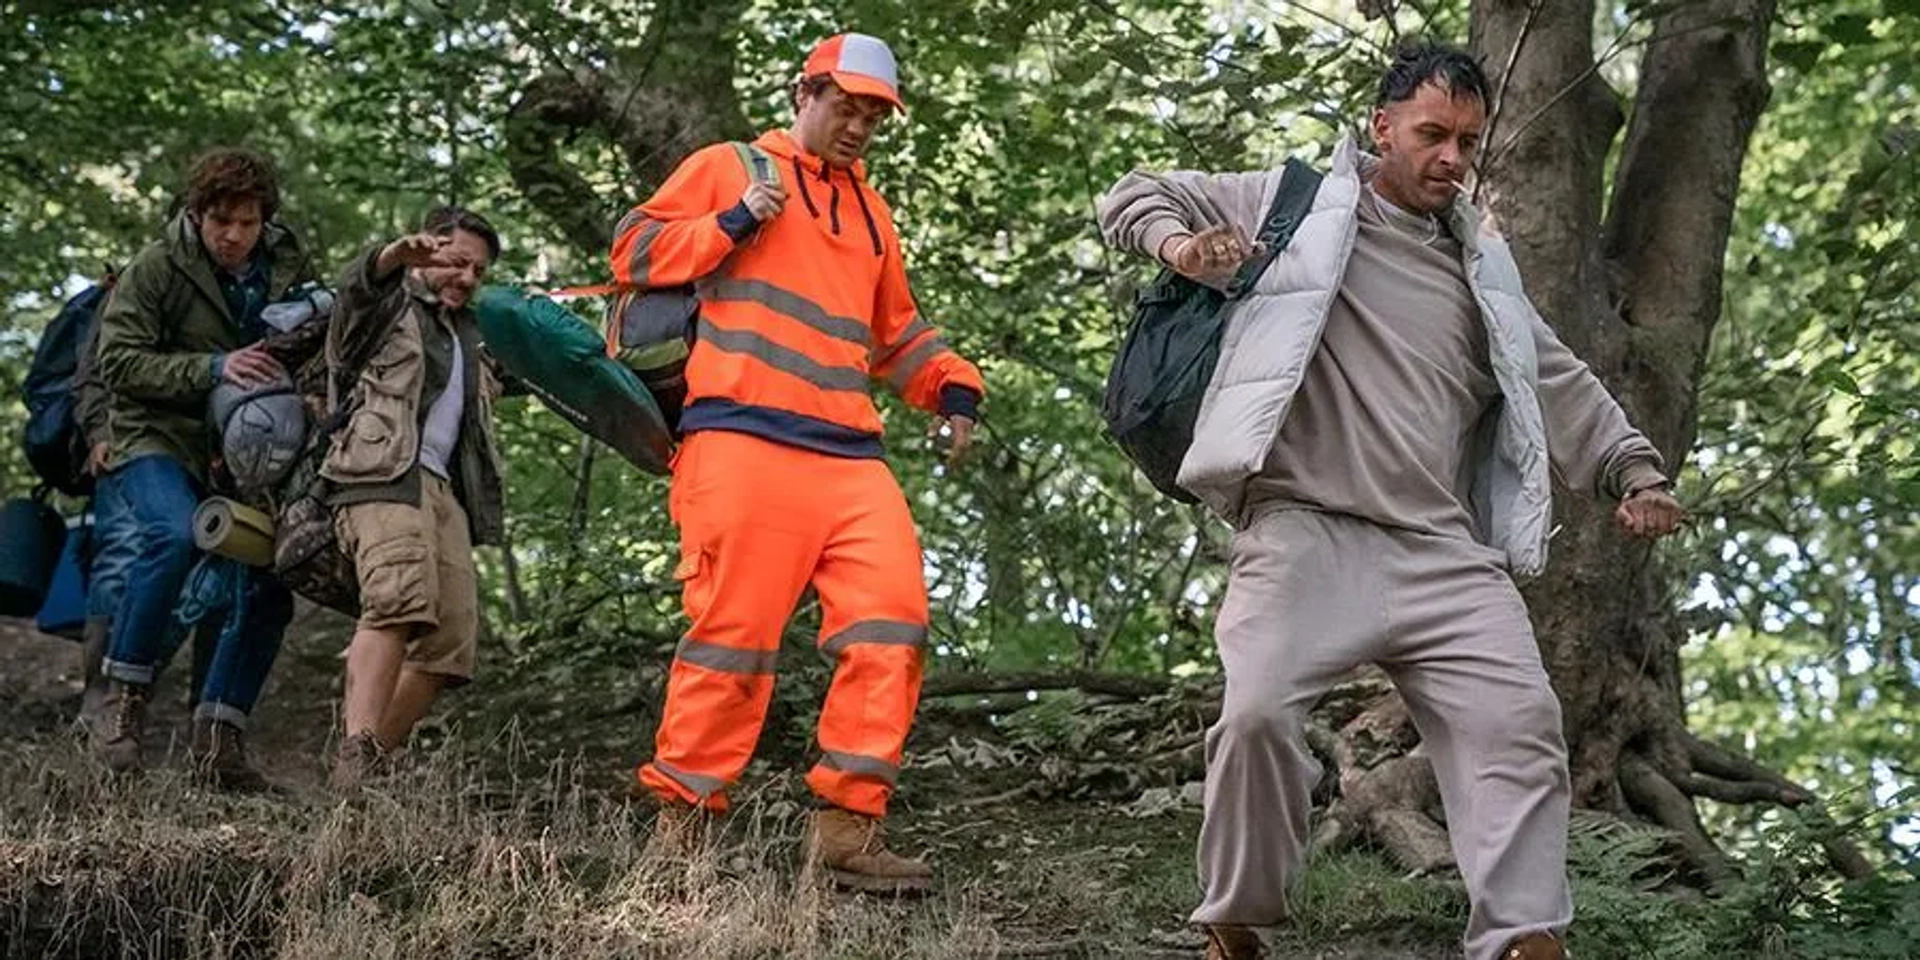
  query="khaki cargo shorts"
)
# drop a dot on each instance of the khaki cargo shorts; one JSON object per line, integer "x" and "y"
{"x": 415, "y": 566}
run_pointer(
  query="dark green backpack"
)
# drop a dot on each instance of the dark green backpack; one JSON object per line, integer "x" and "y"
{"x": 1172, "y": 345}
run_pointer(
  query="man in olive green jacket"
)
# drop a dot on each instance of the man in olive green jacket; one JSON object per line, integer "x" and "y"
{"x": 186, "y": 315}
{"x": 415, "y": 473}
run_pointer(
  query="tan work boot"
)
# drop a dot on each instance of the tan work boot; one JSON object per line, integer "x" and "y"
{"x": 361, "y": 758}
{"x": 852, "y": 848}
{"x": 117, "y": 739}
{"x": 1226, "y": 941}
{"x": 1535, "y": 946}
{"x": 218, "y": 751}
{"x": 681, "y": 832}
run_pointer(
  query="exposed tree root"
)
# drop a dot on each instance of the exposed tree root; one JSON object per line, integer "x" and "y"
{"x": 1651, "y": 793}
{"x": 1730, "y": 778}
{"x": 1387, "y": 793}
{"x": 1731, "y": 791}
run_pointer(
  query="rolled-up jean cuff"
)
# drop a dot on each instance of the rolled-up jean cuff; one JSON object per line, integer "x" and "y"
{"x": 128, "y": 672}
{"x": 221, "y": 712}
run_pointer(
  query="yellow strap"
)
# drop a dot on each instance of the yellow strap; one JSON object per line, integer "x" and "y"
{"x": 759, "y": 165}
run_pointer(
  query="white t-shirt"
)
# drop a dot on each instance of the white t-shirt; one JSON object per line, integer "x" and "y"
{"x": 442, "y": 429}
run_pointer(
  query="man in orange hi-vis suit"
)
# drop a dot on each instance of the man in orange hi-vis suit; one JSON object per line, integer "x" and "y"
{"x": 780, "y": 481}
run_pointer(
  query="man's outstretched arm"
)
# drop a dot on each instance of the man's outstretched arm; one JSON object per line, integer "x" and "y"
{"x": 1595, "y": 448}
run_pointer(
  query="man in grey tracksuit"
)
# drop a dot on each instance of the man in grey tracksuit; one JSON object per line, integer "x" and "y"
{"x": 1380, "y": 431}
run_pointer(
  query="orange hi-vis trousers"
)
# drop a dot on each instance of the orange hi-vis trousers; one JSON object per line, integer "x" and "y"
{"x": 758, "y": 522}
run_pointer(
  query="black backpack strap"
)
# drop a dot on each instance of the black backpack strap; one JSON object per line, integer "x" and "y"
{"x": 1299, "y": 182}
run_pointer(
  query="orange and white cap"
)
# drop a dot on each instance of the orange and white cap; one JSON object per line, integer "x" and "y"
{"x": 859, "y": 64}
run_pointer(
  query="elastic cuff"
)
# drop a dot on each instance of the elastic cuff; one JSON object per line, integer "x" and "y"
{"x": 1154, "y": 235}
{"x": 222, "y": 713}
{"x": 127, "y": 672}
{"x": 738, "y": 223}
{"x": 1641, "y": 476}
{"x": 216, "y": 367}
{"x": 960, "y": 401}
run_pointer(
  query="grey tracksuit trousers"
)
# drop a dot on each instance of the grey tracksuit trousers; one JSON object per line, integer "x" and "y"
{"x": 1312, "y": 595}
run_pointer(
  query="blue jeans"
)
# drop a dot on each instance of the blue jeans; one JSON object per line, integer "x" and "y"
{"x": 114, "y": 548}
{"x": 159, "y": 498}
{"x": 252, "y": 609}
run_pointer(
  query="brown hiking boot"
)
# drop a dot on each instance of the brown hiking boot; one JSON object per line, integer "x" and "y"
{"x": 853, "y": 849}
{"x": 117, "y": 739}
{"x": 218, "y": 751}
{"x": 1226, "y": 941}
{"x": 1535, "y": 946}
{"x": 681, "y": 832}
{"x": 361, "y": 758}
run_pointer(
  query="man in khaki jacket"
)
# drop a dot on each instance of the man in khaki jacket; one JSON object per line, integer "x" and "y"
{"x": 415, "y": 475}
{"x": 1380, "y": 431}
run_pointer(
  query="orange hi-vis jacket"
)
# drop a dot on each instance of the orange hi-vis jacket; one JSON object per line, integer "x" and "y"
{"x": 797, "y": 314}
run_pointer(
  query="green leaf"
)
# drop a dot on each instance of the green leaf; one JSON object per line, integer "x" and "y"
{"x": 1133, "y": 58}
{"x": 1798, "y": 54}
{"x": 1830, "y": 373}
{"x": 1850, "y": 28}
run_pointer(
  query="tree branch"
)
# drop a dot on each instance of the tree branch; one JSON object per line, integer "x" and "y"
{"x": 551, "y": 111}
{"x": 1116, "y": 684}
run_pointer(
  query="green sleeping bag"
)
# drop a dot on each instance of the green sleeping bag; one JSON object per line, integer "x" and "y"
{"x": 564, "y": 362}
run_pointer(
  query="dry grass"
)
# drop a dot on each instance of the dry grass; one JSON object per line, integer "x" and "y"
{"x": 437, "y": 862}
{"x": 490, "y": 850}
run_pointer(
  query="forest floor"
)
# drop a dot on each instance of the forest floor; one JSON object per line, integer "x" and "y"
{"x": 509, "y": 835}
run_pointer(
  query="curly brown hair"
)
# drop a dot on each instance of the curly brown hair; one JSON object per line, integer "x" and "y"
{"x": 226, "y": 176}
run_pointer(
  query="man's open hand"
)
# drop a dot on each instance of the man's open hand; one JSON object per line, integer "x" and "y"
{"x": 1649, "y": 513}
{"x": 251, "y": 366}
{"x": 414, "y": 250}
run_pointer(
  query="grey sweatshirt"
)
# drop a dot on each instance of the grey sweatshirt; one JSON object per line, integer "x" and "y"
{"x": 1394, "y": 405}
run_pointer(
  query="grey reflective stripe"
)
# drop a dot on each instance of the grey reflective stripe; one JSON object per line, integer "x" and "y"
{"x": 790, "y": 304}
{"x": 903, "y": 371}
{"x": 726, "y": 659}
{"x": 859, "y": 764}
{"x": 640, "y": 258}
{"x": 783, "y": 359}
{"x": 885, "y": 354}
{"x": 891, "y": 632}
{"x": 700, "y": 784}
{"x": 628, "y": 222}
